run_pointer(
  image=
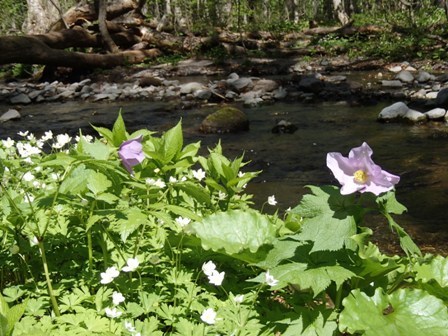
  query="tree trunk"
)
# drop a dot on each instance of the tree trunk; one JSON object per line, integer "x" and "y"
{"x": 102, "y": 12}
{"x": 339, "y": 12}
{"x": 40, "y": 15}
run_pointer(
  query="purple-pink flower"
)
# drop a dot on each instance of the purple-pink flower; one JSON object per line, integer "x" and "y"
{"x": 131, "y": 153}
{"x": 358, "y": 172}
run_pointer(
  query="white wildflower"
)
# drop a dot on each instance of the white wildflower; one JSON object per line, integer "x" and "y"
{"x": 28, "y": 177}
{"x": 23, "y": 134}
{"x": 34, "y": 241}
{"x": 129, "y": 327}
{"x": 222, "y": 195}
{"x": 182, "y": 221}
{"x": 26, "y": 150}
{"x": 48, "y": 135}
{"x": 208, "y": 268}
{"x": 209, "y": 316}
{"x": 271, "y": 200}
{"x": 117, "y": 298}
{"x": 157, "y": 183}
{"x": 108, "y": 276}
{"x": 216, "y": 278}
{"x": 61, "y": 140}
{"x": 172, "y": 179}
{"x": 270, "y": 280}
{"x": 238, "y": 298}
{"x": 8, "y": 143}
{"x": 198, "y": 174}
{"x": 131, "y": 266}
{"x": 112, "y": 312}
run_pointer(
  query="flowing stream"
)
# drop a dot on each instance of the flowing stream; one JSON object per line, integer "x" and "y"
{"x": 418, "y": 153}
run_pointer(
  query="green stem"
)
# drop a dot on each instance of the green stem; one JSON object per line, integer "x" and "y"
{"x": 89, "y": 239}
{"x": 338, "y": 299}
{"x": 54, "y": 303}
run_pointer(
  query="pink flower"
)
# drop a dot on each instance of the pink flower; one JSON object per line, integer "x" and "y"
{"x": 359, "y": 173}
{"x": 131, "y": 153}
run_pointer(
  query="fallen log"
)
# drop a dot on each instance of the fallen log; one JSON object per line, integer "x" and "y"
{"x": 32, "y": 50}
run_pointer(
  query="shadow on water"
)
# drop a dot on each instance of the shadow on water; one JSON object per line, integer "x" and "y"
{"x": 418, "y": 153}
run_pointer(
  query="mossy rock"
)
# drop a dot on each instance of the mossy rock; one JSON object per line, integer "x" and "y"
{"x": 225, "y": 120}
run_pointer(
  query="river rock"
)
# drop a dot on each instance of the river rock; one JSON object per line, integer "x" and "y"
{"x": 392, "y": 83}
{"x": 423, "y": 77}
{"x": 442, "y": 98}
{"x": 415, "y": 116}
{"x": 21, "y": 98}
{"x": 225, "y": 120}
{"x": 11, "y": 114}
{"x": 394, "y": 111}
{"x": 311, "y": 84}
{"x": 242, "y": 84}
{"x": 405, "y": 76}
{"x": 265, "y": 85}
{"x": 202, "y": 94}
{"x": 284, "y": 126}
{"x": 436, "y": 114}
{"x": 191, "y": 87}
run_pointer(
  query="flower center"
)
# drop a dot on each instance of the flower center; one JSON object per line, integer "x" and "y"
{"x": 360, "y": 177}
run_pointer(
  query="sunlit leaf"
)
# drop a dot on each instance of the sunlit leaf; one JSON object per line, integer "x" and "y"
{"x": 410, "y": 312}
{"x": 234, "y": 231}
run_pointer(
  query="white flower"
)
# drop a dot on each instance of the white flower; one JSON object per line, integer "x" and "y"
{"x": 172, "y": 179}
{"x": 182, "y": 221}
{"x": 34, "y": 241}
{"x": 239, "y": 298}
{"x": 209, "y": 316}
{"x": 208, "y": 268}
{"x": 221, "y": 195}
{"x": 47, "y": 136}
{"x": 112, "y": 312}
{"x": 271, "y": 200}
{"x": 25, "y": 150}
{"x": 24, "y": 134}
{"x": 61, "y": 140}
{"x": 8, "y": 143}
{"x": 132, "y": 264}
{"x": 117, "y": 298}
{"x": 108, "y": 276}
{"x": 129, "y": 327}
{"x": 86, "y": 138}
{"x": 157, "y": 183}
{"x": 199, "y": 174}
{"x": 240, "y": 174}
{"x": 216, "y": 278}
{"x": 28, "y": 177}
{"x": 31, "y": 137}
{"x": 270, "y": 280}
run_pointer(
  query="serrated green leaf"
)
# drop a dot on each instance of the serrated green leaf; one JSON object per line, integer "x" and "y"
{"x": 282, "y": 249}
{"x": 234, "y": 231}
{"x": 318, "y": 326}
{"x": 410, "y": 312}
{"x": 329, "y": 218}
{"x": 436, "y": 270}
{"x": 172, "y": 142}
{"x": 76, "y": 182}
{"x": 389, "y": 203}
{"x": 119, "y": 131}
{"x": 135, "y": 218}
{"x": 316, "y": 279}
{"x": 96, "y": 149}
{"x": 196, "y": 191}
{"x": 106, "y": 133}
{"x": 15, "y": 314}
{"x": 108, "y": 198}
{"x": 92, "y": 221}
{"x": 98, "y": 183}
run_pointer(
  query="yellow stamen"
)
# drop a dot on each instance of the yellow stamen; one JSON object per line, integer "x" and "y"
{"x": 360, "y": 176}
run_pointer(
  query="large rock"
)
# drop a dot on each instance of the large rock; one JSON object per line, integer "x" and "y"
{"x": 311, "y": 84}
{"x": 225, "y": 120}
{"x": 405, "y": 76}
{"x": 442, "y": 98}
{"x": 265, "y": 85}
{"x": 394, "y": 111}
{"x": 415, "y": 116}
{"x": 11, "y": 114}
{"x": 435, "y": 114}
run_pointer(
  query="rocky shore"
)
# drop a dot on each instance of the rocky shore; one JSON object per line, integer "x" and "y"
{"x": 192, "y": 83}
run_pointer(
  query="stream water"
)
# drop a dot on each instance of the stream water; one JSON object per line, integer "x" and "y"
{"x": 418, "y": 153}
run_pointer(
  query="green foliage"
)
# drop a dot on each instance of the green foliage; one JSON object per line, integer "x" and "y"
{"x": 175, "y": 249}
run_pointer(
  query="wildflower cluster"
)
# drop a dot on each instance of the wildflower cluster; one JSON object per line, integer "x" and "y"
{"x": 134, "y": 234}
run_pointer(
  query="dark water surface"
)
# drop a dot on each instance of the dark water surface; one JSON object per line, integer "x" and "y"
{"x": 418, "y": 153}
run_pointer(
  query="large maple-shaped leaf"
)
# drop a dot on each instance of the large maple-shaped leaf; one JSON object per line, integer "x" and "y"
{"x": 436, "y": 270}
{"x": 234, "y": 231}
{"x": 410, "y": 312}
{"x": 317, "y": 279}
{"x": 329, "y": 218}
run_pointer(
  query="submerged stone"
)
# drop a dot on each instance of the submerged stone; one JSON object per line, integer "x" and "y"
{"x": 225, "y": 120}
